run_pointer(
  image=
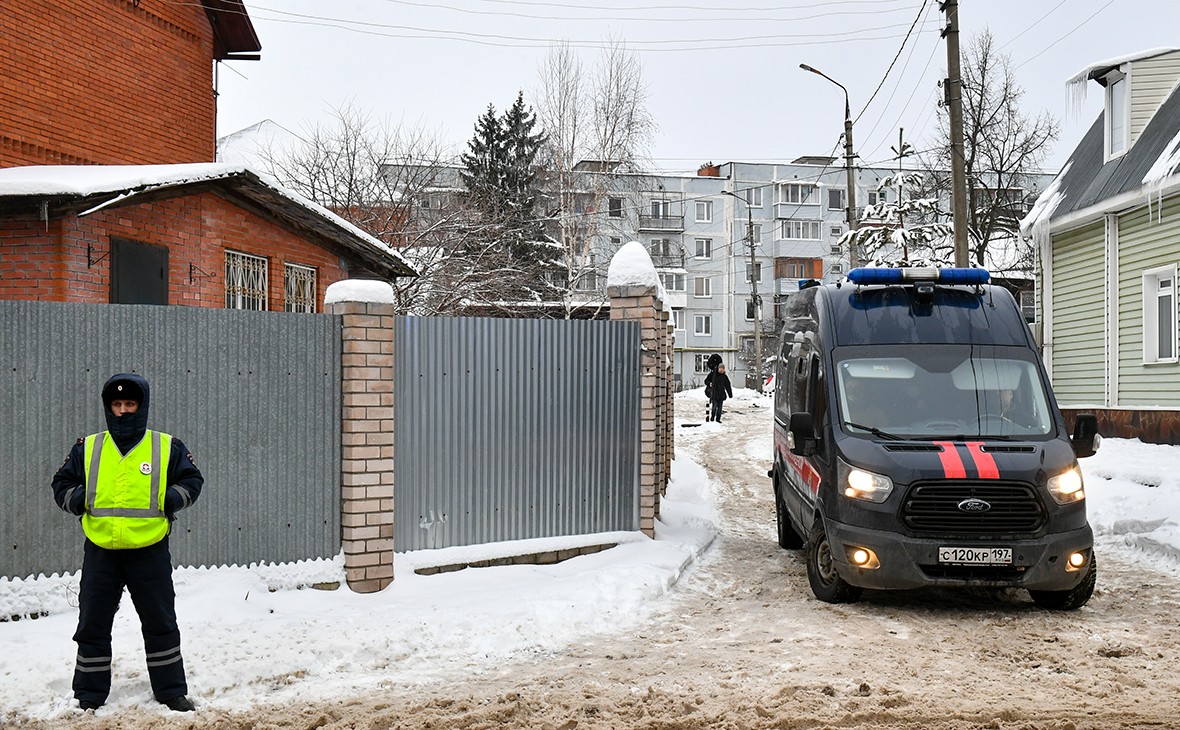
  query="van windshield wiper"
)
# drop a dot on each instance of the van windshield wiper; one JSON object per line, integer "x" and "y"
{"x": 876, "y": 432}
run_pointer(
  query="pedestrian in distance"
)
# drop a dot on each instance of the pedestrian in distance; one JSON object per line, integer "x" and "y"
{"x": 712, "y": 363}
{"x": 717, "y": 388}
{"x": 126, "y": 484}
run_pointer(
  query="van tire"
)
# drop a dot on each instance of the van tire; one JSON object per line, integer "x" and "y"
{"x": 826, "y": 583}
{"x": 1072, "y": 599}
{"x": 788, "y": 538}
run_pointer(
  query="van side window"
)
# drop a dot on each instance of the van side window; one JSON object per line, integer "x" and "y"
{"x": 817, "y": 403}
{"x": 799, "y": 388}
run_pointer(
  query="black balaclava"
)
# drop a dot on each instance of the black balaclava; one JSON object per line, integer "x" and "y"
{"x": 128, "y": 429}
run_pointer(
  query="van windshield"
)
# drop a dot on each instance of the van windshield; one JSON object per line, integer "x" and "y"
{"x": 941, "y": 391}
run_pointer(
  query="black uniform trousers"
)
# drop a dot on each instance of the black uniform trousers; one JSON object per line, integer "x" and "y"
{"x": 147, "y": 574}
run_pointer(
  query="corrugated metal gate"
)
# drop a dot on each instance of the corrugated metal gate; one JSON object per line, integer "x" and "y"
{"x": 254, "y": 395}
{"x": 514, "y": 428}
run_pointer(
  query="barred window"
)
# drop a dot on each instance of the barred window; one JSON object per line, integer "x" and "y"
{"x": 299, "y": 287}
{"x": 245, "y": 281}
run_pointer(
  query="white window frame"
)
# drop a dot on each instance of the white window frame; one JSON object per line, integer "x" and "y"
{"x": 678, "y": 319}
{"x": 661, "y": 209}
{"x": 700, "y": 363}
{"x": 702, "y": 287}
{"x": 704, "y": 211}
{"x": 843, "y": 198}
{"x": 1118, "y": 86}
{"x": 797, "y": 229}
{"x": 247, "y": 281}
{"x": 758, "y": 268}
{"x": 799, "y": 193}
{"x": 1152, "y": 294}
{"x": 754, "y": 197}
{"x": 299, "y": 288}
{"x": 750, "y": 305}
{"x": 662, "y": 247}
{"x": 702, "y": 325}
{"x": 703, "y": 248}
{"x": 836, "y": 231}
{"x": 672, "y": 281}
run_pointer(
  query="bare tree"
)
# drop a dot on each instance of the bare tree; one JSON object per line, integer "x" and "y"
{"x": 1003, "y": 147}
{"x": 396, "y": 183}
{"x": 598, "y": 131}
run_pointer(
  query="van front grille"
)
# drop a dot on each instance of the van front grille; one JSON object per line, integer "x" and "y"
{"x": 934, "y": 508}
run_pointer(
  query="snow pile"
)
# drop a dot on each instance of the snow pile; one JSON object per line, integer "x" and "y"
{"x": 632, "y": 266}
{"x": 1133, "y": 496}
{"x": 263, "y": 634}
{"x": 359, "y": 290}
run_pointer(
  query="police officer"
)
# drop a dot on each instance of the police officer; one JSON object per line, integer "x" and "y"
{"x": 127, "y": 484}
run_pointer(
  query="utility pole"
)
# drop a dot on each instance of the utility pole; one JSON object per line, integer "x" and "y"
{"x": 953, "y": 87}
{"x": 757, "y": 300}
{"x": 849, "y": 159}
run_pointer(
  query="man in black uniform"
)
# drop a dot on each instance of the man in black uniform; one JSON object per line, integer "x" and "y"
{"x": 127, "y": 484}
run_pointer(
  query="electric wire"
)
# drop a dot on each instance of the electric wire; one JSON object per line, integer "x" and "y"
{"x": 1075, "y": 29}
{"x": 905, "y": 40}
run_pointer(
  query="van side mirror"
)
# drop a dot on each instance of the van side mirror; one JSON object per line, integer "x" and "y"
{"x": 801, "y": 435}
{"x": 1085, "y": 439}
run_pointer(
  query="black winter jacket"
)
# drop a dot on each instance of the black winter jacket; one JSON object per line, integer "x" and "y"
{"x": 720, "y": 385}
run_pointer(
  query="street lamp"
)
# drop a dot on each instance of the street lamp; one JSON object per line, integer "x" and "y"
{"x": 753, "y": 289}
{"x": 849, "y": 156}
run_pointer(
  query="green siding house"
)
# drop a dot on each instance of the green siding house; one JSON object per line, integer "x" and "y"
{"x": 1107, "y": 233}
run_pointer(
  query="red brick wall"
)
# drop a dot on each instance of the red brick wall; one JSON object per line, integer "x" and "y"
{"x": 105, "y": 82}
{"x": 197, "y": 229}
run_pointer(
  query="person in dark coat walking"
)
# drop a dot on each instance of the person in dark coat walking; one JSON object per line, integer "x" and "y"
{"x": 718, "y": 388}
{"x": 127, "y": 484}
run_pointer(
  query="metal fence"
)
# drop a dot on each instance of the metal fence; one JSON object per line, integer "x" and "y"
{"x": 255, "y": 396}
{"x": 514, "y": 428}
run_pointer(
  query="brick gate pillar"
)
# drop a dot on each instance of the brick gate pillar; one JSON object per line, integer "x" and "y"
{"x": 366, "y": 449}
{"x": 635, "y": 293}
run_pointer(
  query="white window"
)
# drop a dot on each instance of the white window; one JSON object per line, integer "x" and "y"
{"x": 751, "y": 310}
{"x": 792, "y": 193}
{"x": 836, "y": 268}
{"x": 704, "y": 211}
{"x": 1116, "y": 114}
{"x": 1159, "y": 315}
{"x": 672, "y": 281}
{"x": 299, "y": 288}
{"x": 661, "y": 209}
{"x": 678, "y": 319}
{"x": 757, "y": 269}
{"x": 701, "y": 363}
{"x": 806, "y": 230}
{"x": 704, "y": 248}
{"x": 702, "y": 324}
{"x": 836, "y": 231}
{"x": 245, "y": 281}
{"x": 661, "y": 247}
{"x": 615, "y": 207}
{"x": 702, "y": 287}
{"x": 877, "y": 197}
{"x": 754, "y": 197}
{"x": 586, "y": 281}
{"x": 836, "y": 199}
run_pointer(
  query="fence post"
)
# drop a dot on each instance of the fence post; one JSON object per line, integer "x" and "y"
{"x": 366, "y": 453}
{"x": 635, "y": 293}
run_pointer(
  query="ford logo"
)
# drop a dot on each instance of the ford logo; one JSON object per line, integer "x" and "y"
{"x": 974, "y": 505}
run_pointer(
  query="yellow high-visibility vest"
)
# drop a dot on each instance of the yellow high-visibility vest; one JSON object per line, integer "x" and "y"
{"x": 125, "y": 494}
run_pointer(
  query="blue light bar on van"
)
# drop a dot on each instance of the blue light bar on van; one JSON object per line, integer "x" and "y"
{"x": 897, "y": 276}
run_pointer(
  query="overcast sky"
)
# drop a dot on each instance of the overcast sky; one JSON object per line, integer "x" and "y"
{"x": 723, "y": 78}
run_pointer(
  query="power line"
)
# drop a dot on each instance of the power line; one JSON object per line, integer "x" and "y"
{"x": 1031, "y": 26}
{"x": 1075, "y": 29}
{"x": 746, "y": 18}
{"x": 905, "y": 40}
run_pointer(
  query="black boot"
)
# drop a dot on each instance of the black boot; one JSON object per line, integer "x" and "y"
{"x": 180, "y": 704}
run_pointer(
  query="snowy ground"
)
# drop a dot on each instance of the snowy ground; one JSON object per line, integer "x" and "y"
{"x": 709, "y": 623}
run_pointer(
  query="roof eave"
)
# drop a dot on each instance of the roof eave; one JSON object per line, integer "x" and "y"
{"x": 233, "y": 32}
{"x": 1128, "y": 200}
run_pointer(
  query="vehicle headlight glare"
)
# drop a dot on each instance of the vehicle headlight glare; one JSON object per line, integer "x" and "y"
{"x": 1066, "y": 487}
{"x": 865, "y": 485}
{"x": 1077, "y": 559}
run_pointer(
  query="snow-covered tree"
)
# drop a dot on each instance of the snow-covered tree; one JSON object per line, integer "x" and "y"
{"x": 904, "y": 232}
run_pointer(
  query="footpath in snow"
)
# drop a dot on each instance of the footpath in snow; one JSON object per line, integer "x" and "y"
{"x": 260, "y": 635}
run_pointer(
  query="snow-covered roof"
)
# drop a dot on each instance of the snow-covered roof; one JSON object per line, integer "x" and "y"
{"x": 1097, "y": 70}
{"x": 100, "y": 186}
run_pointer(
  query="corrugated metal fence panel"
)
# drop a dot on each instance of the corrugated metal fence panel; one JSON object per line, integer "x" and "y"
{"x": 512, "y": 428}
{"x": 255, "y": 396}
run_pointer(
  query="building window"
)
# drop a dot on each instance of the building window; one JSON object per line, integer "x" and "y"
{"x": 245, "y": 281}
{"x": 586, "y": 281}
{"x": 836, "y": 199}
{"x": 836, "y": 231}
{"x": 877, "y": 197}
{"x": 758, "y": 271}
{"x": 792, "y": 193}
{"x": 1116, "y": 114}
{"x": 751, "y": 310}
{"x": 702, "y": 324}
{"x": 299, "y": 288}
{"x": 672, "y": 281}
{"x": 661, "y": 209}
{"x": 798, "y": 268}
{"x": 704, "y": 248}
{"x": 702, "y": 287}
{"x": 661, "y": 247}
{"x": 754, "y": 197}
{"x": 1159, "y": 315}
{"x": 700, "y": 363}
{"x": 678, "y": 319}
{"x": 704, "y": 211}
{"x": 805, "y": 230}
{"x": 1028, "y": 305}
{"x": 614, "y": 207}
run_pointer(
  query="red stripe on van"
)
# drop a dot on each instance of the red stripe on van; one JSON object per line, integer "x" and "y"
{"x": 952, "y": 465}
{"x": 983, "y": 461}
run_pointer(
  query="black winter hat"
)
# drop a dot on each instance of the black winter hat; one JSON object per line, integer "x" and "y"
{"x": 121, "y": 389}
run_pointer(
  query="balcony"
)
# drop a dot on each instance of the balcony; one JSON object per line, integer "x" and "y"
{"x": 661, "y": 223}
{"x": 667, "y": 259}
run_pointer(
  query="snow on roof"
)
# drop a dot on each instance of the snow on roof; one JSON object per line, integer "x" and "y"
{"x": 248, "y": 146}
{"x": 359, "y": 290}
{"x": 90, "y": 180}
{"x": 1035, "y": 225}
{"x": 1078, "y": 84}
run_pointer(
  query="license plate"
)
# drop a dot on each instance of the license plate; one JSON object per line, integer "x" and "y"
{"x": 975, "y": 556}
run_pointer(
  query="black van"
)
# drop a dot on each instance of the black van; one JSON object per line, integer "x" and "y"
{"x": 918, "y": 443}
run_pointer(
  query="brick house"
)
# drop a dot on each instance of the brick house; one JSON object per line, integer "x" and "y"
{"x": 109, "y": 192}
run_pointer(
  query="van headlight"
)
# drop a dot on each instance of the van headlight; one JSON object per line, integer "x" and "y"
{"x": 1066, "y": 487}
{"x": 860, "y": 484}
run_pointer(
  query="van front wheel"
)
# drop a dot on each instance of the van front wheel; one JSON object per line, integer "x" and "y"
{"x": 826, "y": 583}
{"x": 1072, "y": 599}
